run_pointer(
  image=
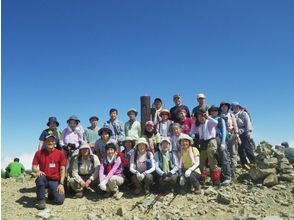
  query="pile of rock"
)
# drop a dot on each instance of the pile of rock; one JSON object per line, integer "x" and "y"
{"x": 272, "y": 166}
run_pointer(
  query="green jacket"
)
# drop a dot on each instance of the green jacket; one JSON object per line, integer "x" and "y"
{"x": 15, "y": 169}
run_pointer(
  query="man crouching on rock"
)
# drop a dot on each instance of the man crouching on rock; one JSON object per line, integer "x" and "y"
{"x": 51, "y": 173}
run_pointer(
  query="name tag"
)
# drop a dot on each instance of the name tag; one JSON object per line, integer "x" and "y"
{"x": 52, "y": 165}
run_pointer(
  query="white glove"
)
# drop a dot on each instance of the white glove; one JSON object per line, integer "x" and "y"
{"x": 188, "y": 173}
{"x": 222, "y": 147}
{"x": 182, "y": 181}
{"x": 140, "y": 176}
{"x": 102, "y": 186}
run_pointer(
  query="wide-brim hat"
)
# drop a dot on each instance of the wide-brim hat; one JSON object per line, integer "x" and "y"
{"x": 165, "y": 139}
{"x": 164, "y": 111}
{"x": 107, "y": 129}
{"x": 235, "y": 104}
{"x": 213, "y": 108}
{"x": 224, "y": 103}
{"x": 73, "y": 117}
{"x": 185, "y": 137}
{"x": 132, "y": 140}
{"x": 52, "y": 119}
{"x": 85, "y": 145}
{"x": 142, "y": 141}
{"x": 132, "y": 110}
{"x": 94, "y": 117}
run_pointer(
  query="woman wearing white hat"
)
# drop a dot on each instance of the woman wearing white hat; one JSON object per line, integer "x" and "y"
{"x": 142, "y": 166}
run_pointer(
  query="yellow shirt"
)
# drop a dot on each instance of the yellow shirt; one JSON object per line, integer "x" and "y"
{"x": 187, "y": 162}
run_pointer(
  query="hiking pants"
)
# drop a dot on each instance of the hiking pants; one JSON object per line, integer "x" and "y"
{"x": 233, "y": 146}
{"x": 246, "y": 149}
{"x": 208, "y": 152}
{"x": 43, "y": 182}
{"x": 147, "y": 181}
{"x": 113, "y": 183}
{"x": 224, "y": 160}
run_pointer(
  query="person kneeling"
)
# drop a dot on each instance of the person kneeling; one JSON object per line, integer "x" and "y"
{"x": 51, "y": 172}
{"x": 166, "y": 165}
{"x": 85, "y": 168}
{"x": 111, "y": 172}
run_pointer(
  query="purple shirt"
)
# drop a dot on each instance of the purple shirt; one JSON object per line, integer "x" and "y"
{"x": 69, "y": 136}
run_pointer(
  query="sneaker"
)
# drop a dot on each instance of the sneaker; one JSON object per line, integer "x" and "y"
{"x": 41, "y": 204}
{"x": 79, "y": 195}
{"x": 198, "y": 191}
{"x": 226, "y": 182}
{"x": 117, "y": 195}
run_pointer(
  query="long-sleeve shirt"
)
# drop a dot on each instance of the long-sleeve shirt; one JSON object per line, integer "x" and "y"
{"x": 89, "y": 166}
{"x": 117, "y": 129}
{"x": 91, "y": 135}
{"x": 69, "y": 136}
{"x": 163, "y": 128}
{"x": 133, "y": 129}
{"x": 100, "y": 147}
{"x": 243, "y": 122}
{"x": 140, "y": 164}
{"x": 221, "y": 131}
{"x": 115, "y": 170}
{"x": 173, "y": 161}
{"x": 207, "y": 130}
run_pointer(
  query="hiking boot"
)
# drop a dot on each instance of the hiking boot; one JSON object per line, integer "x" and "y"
{"x": 41, "y": 204}
{"x": 117, "y": 195}
{"x": 79, "y": 194}
{"x": 226, "y": 182}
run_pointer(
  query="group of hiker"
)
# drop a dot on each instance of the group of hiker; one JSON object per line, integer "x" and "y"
{"x": 175, "y": 148}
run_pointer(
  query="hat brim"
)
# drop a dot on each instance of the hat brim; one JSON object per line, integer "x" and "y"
{"x": 57, "y": 123}
{"x": 78, "y": 121}
{"x": 227, "y": 104}
{"x": 191, "y": 141}
{"x": 132, "y": 141}
{"x": 97, "y": 119}
{"x": 136, "y": 113}
{"x": 105, "y": 129}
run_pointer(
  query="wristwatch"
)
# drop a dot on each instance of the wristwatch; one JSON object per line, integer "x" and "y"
{"x": 61, "y": 183}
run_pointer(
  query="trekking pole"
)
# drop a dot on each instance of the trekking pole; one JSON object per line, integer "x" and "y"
{"x": 139, "y": 202}
{"x": 150, "y": 206}
{"x": 174, "y": 197}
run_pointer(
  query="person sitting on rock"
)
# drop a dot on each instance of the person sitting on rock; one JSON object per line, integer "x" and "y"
{"x": 105, "y": 133}
{"x": 15, "y": 169}
{"x": 152, "y": 136}
{"x": 142, "y": 166}
{"x": 166, "y": 165}
{"x": 111, "y": 172}
{"x": 71, "y": 136}
{"x": 189, "y": 163}
{"x": 208, "y": 146}
{"x": 49, "y": 164}
{"x": 163, "y": 126}
{"x": 85, "y": 169}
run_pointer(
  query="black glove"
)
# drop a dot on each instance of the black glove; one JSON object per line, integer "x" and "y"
{"x": 169, "y": 174}
{"x": 163, "y": 175}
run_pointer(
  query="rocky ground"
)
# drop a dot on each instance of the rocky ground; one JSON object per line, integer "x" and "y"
{"x": 245, "y": 199}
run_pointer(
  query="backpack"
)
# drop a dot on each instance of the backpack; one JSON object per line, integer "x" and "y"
{"x": 229, "y": 123}
{"x": 148, "y": 161}
{"x": 80, "y": 163}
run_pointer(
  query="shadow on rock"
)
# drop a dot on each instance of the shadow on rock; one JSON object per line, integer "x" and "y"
{"x": 27, "y": 202}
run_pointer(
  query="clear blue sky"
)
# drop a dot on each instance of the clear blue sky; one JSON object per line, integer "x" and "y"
{"x": 83, "y": 57}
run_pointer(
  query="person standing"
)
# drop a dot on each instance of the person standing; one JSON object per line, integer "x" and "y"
{"x": 178, "y": 105}
{"x": 117, "y": 127}
{"x": 91, "y": 133}
{"x": 133, "y": 127}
